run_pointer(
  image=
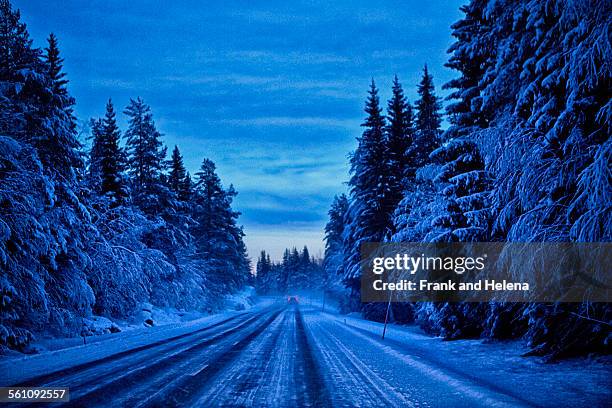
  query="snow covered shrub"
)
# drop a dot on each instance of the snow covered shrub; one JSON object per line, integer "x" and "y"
{"x": 402, "y": 312}
{"x": 505, "y": 321}
{"x": 375, "y": 311}
{"x": 190, "y": 287}
{"x": 461, "y": 320}
{"x": 451, "y": 321}
{"x": 427, "y": 317}
{"x": 10, "y": 336}
{"x": 398, "y": 313}
{"x": 124, "y": 270}
{"x": 567, "y": 329}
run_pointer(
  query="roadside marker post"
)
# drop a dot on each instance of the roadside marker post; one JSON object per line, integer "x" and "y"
{"x": 387, "y": 316}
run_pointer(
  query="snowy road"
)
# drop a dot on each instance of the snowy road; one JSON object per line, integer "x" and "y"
{"x": 297, "y": 356}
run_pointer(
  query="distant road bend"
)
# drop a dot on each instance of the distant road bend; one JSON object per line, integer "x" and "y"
{"x": 282, "y": 355}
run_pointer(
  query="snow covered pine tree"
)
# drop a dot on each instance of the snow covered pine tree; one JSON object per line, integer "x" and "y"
{"x": 369, "y": 190}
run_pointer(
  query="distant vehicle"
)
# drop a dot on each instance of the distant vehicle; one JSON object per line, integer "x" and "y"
{"x": 292, "y": 300}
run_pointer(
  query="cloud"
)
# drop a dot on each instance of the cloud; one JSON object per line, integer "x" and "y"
{"x": 392, "y": 53}
{"x": 114, "y": 83}
{"x": 345, "y": 88}
{"x": 271, "y": 17}
{"x": 288, "y": 121}
{"x": 221, "y": 79}
{"x": 276, "y": 182}
{"x": 292, "y": 57}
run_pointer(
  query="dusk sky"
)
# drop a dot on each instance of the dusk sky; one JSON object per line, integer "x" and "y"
{"x": 273, "y": 91}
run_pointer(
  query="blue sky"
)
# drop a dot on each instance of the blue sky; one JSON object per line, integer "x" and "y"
{"x": 271, "y": 91}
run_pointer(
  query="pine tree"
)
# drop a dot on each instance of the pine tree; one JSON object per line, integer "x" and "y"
{"x": 301, "y": 277}
{"x": 549, "y": 135}
{"x": 399, "y": 136}
{"x": 462, "y": 182}
{"x": 400, "y": 129}
{"x": 264, "y": 272}
{"x": 414, "y": 213}
{"x": 176, "y": 177}
{"x": 293, "y": 266}
{"x": 54, "y": 66}
{"x": 210, "y": 198}
{"x": 471, "y": 55}
{"x": 35, "y": 106}
{"x": 532, "y": 96}
{"x": 186, "y": 188}
{"x": 111, "y": 158}
{"x": 428, "y": 120}
{"x": 370, "y": 179}
{"x": 334, "y": 229}
{"x": 179, "y": 180}
{"x": 15, "y": 43}
{"x": 282, "y": 277}
{"x": 94, "y": 171}
{"x": 369, "y": 186}
{"x": 217, "y": 236}
{"x": 19, "y": 65}
{"x": 305, "y": 257}
{"x": 145, "y": 159}
{"x": 462, "y": 185}
{"x": 60, "y": 150}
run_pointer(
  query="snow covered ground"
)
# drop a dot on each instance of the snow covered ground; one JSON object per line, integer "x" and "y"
{"x": 99, "y": 328}
{"x": 431, "y": 372}
{"x": 276, "y": 354}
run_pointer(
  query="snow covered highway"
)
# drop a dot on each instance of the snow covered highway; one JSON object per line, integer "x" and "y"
{"x": 295, "y": 355}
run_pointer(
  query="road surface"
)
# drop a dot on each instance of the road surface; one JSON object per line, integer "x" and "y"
{"x": 287, "y": 356}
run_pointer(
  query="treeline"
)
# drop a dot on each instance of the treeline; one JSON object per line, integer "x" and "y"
{"x": 296, "y": 272}
{"x": 526, "y": 158}
{"x": 103, "y": 230}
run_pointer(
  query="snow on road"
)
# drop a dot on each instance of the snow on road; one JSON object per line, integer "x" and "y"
{"x": 285, "y": 355}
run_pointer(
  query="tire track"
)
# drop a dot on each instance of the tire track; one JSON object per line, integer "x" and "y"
{"x": 450, "y": 375}
{"x": 241, "y": 384}
{"x": 186, "y": 388}
{"x": 280, "y": 389}
{"x": 278, "y": 369}
{"x": 352, "y": 380}
{"x": 314, "y": 392}
{"x": 92, "y": 377}
{"x": 141, "y": 377}
{"x": 61, "y": 375}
